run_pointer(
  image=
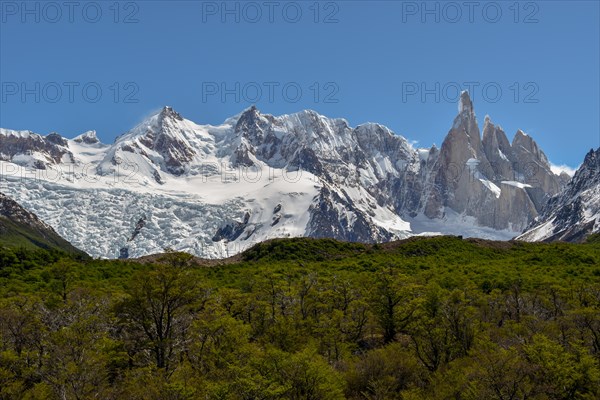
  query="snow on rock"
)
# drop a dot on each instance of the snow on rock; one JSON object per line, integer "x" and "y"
{"x": 490, "y": 185}
{"x": 216, "y": 190}
{"x": 516, "y": 184}
{"x": 19, "y": 134}
{"x": 574, "y": 213}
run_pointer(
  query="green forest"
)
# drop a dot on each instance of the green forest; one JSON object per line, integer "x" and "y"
{"x": 425, "y": 318}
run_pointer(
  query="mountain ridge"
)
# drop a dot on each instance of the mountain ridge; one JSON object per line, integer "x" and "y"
{"x": 259, "y": 176}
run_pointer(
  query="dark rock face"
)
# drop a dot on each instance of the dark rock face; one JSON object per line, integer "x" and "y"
{"x": 56, "y": 139}
{"x": 277, "y": 214}
{"x": 164, "y": 138}
{"x": 130, "y": 148}
{"x": 157, "y": 177}
{"x": 176, "y": 153}
{"x": 138, "y": 227}
{"x": 11, "y": 209}
{"x": 123, "y": 253}
{"x": 257, "y": 138}
{"x": 326, "y": 221}
{"x": 251, "y": 125}
{"x": 241, "y": 157}
{"x": 574, "y": 213}
{"x": 306, "y": 160}
{"x": 232, "y": 230}
{"x": 52, "y": 147}
{"x": 87, "y": 138}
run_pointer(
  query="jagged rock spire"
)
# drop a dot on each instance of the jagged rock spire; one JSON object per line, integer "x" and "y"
{"x": 465, "y": 103}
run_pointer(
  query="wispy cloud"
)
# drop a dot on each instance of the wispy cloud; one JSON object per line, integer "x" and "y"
{"x": 558, "y": 169}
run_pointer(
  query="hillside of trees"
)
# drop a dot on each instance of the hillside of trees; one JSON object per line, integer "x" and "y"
{"x": 22, "y": 228}
{"x": 425, "y": 318}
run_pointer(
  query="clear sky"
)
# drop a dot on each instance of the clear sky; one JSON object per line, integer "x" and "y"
{"x": 530, "y": 65}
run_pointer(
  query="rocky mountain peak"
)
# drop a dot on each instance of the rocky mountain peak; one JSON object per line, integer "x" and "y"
{"x": 526, "y": 142}
{"x": 248, "y": 119}
{"x": 162, "y": 141}
{"x": 464, "y": 139}
{"x": 30, "y": 149}
{"x": 588, "y": 174}
{"x": 592, "y": 160}
{"x": 495, "y": 142}
{"x": 22, "y": 134}
{"x": 502, "y": 185}
{"x": 498, "y": 151}
{"x": 168, "y": 112}
{"x": 522, "y": 139}
{"x": 88, "y": 137}
{"x": 528, "y": 150}
{"x": 57, "y": 139}
{"x": 465, "y": 104}
{"x": 465, "y": 123}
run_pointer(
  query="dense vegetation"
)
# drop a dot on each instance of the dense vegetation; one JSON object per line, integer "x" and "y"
{"x": 428, "y": 318}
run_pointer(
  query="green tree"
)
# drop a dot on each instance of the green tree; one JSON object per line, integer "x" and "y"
{"x": 394, "y": 302}
{"x": 63, "y": 273}
{"x": 155, "y": 309}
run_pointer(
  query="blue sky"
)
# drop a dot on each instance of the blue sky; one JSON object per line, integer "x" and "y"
{"x": 530, "y": 65}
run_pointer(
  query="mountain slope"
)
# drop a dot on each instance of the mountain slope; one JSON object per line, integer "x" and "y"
{"x": 19, "y": 227}
{"x": 217, "y": 190}
{"x": 574, "y": 214}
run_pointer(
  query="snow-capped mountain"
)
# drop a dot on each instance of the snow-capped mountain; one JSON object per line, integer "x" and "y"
{"x": 32, "y": 150}
{"x": 573, "y": 214}
{"x": 216, "y": 190}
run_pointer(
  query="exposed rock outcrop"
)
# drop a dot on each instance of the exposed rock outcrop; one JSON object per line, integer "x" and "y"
{"x": 574, "y": 213}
